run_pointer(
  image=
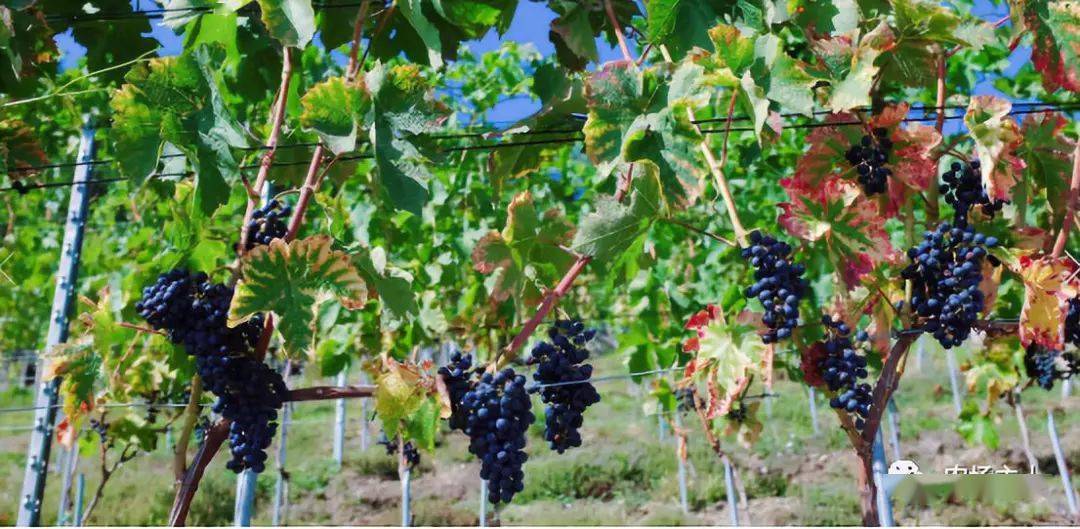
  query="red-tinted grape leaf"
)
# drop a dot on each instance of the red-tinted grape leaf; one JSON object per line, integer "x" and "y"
{"x": 837, "y": 214}
{"x": 1050, "y": 24}
{"x": 996, "y": 140}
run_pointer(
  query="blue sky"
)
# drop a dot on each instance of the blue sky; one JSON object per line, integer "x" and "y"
{"x": 530, "y": 24}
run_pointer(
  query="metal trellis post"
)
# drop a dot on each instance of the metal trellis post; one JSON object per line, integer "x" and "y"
{"x": 483, "y": 502}
{"x": 894, "y": 427}
{"x": 80, "y": 490}
{"x": 365, "y": 431}
{"x": 880, "y": 467}
{"x": 339, "y": 421}
{"x": 406, "y": 494}
{"x": 1063, "y": 466}
{"x": 729, "y": 485}
{"x": 279, "y": 488}
{"x": 71, "y": 458}
{"x": 813, "y": 410}
{"x": 683, "y": 502}
{"x": 37, "y": 457}
{"x": 954, "y": 381}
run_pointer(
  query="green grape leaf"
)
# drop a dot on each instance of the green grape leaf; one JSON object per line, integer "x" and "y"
{"x": 613, "y": 228}
{"x": 403, "y": 110}
{"x": 826, "y": 17}
{"x": 292, "y": 22}
{"x": 334, "y": 109}
{"x": 852, "y": 89}
{"x": 922, "y": 28}
{"x": 976, "y": 427}
{"x": 1048, "y": 155}
{"x": 393, "y": 285}
{"x": 572, "y": 35}
{"x": 526, "y": 253}
{"x": 641, "y": 116}
{"x": 290, "y": 281}
{"x": 682, "y": 24}
{"x": 996, "y": 138}
{"x": 421, "y": 425}
{"x": 398, "y": 394}
{"x": 176, "y": 100}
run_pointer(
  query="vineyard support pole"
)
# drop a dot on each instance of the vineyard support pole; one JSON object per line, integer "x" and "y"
{"x": 339, "y": 422}
{"x": 880, "y": 467}
{"x": 893, "y": 417}
{"x": 954, "y": 381}
{"x": 405, "y": 474}
{"x": 71, "y": 458}
{"x": 1025, "y": 437}
{"x": 813, "y": 411}
{"x": 1066, "y": 388}
{"x": 245, "y": 498}
{"x": 168, "y": 440}
{"x": 729, "y": 485}
{"x": 683, "y": 502}
{"x": 281, "y": 488}
{"x": 1063, "y": 466}
{"x": 80, "y": 490}
{"x": 661, "y": 427}
{"x": 483, "y": 502}
{"x": 920, "y": 352}
{"x": 37, "y": 457}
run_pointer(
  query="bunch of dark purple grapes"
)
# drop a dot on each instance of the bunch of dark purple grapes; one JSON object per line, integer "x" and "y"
{"x": 945, "y": 272}
{"x": 268, "y": 223}
{"x": 498, "y": 414}
{"x": 193, "y": 312}
{"x": 458, "y": 377}
{"x": 844, "y": 369}
{"x": 1072, "y": 322}
{"x": 869, "y": 158}
{"x": 963, "y": 190}
{"x": 563, "y": 382}
{"x": 1047, "y": 365}
{"x": 779, "y": 285}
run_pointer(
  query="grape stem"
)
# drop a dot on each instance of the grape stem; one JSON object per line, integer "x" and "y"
{"x": 191, "y": 416}
{"x": 1070, "y": 205}
{"x": 932, "y": 211}
{"x": 106, "y": 473}
{"x": 271, "y": 148}
{"x": 618, "y": 31}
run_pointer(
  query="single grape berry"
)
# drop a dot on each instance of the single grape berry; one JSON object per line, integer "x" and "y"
{"x": 779, "y": 285}
{"x": 963, "y": 190}
{"x": 497, "y": 416}
{"x": 869, "y": 158}
{"x": 562, "y": 379}
{"x": 945, "y": 272}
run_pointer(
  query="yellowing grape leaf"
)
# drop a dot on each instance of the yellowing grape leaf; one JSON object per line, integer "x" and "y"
{"x": 726, "y": 354}
{"x": 291, "y": 281}
{"x": 398, "y": 394}
{"x": 996, "y": 138}
{"x": 335, "y": 109}
{"x": 1049, "y": 284}
{"x": 853, "y": 81}
{"x": 527, "y": 253}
